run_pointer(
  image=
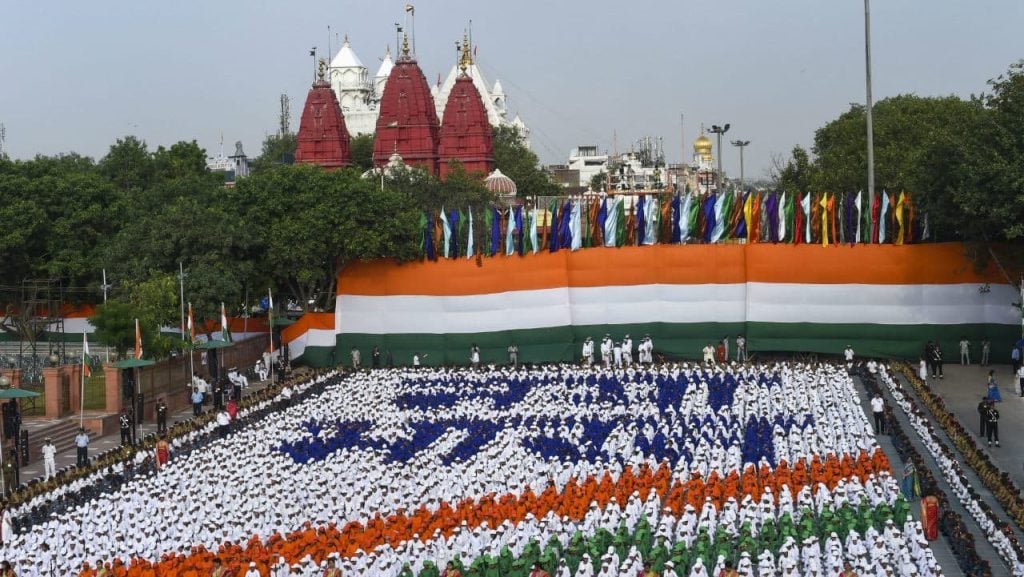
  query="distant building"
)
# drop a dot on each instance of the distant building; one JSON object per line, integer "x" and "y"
{"x": 642, "y": 168}
{"x": 232, "y": 167}
{"x": 587, "y": 163}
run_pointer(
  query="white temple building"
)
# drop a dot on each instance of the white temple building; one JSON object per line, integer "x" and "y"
{"x": 359, "y": 94}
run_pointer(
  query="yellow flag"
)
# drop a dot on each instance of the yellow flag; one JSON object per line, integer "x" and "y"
{"x": 899, "y": 218}
{"x": 748, "y": 216}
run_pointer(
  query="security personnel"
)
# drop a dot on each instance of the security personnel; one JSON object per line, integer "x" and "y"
{"x": 126, "y": 427}
{"x": 161, "y": 416}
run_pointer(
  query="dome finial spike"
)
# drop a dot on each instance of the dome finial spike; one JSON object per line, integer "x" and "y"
{"x": 405, "y": 44}
{"x": 467, "y": 59}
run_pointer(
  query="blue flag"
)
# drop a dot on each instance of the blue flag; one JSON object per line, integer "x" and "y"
{"x": 564, "y": 229}
{"x": 519, "y": 229}
{"x": 602, "y": 217}
{"x": 453, "y": 221}
{"x": 640, "y": 210}
{"x": 553, "y": 225}
{"x": 428, "y": 239}
{"x": 495, "y": 230}
{"x": 709, "y": 217}
{"x": 676, "y": 232}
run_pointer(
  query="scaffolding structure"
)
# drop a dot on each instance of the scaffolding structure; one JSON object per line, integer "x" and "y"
{"x": 41, "y": 326}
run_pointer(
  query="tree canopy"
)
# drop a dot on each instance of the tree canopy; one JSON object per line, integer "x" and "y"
{"x": 963, "y": 159}
{"x": 519, "y": 163}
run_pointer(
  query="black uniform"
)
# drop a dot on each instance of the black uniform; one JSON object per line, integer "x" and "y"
{"x": 126, "y": 429}
{"x": 992, "y": 425}
{"x": 983, "y": 417}
{"x": 161, "y": 417}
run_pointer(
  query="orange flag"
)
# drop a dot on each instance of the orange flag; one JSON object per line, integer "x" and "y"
{"x": 138, "y": 340}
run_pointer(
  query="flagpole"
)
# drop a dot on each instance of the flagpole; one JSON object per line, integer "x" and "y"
{"x": 181, "y": 293}
{"x": 270, "y": 330}
{"x": 191, "y": 350}
{"x": 245, "y": 317}
{"x": 81, "y": 396}
{"x": 869, "y": 104}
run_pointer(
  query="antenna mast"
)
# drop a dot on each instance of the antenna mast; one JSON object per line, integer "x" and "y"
{"x": 285, "y": 115}
{"x": 3, "y": 139}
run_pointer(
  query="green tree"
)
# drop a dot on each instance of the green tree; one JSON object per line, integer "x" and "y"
{"x": 115, "y": 325}
{"x": 278, "y": 150}
{"x": 975, "y": 176}
{"x": 599, "y": 181}
{"x": 128, "y": 164}
{"x": 796, "y": 175}
{"x": 56, "y": 215}
{"x": 905, "y": 127}
{"x": 182, "y": 159}
{"x": 362, "y": 152}
{"x": 195, "y": 222}
{"x": 156, "y": 299}
{"x": 520, "y": 164}
{"x": 311, "y": 223}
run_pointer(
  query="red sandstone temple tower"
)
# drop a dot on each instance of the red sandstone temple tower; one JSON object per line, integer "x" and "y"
{"x": 323, "y": 138}
{"x": 466, "y": 134}
{"x": 407, "y": 123}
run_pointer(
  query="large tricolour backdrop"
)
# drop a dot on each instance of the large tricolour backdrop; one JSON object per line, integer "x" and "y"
{"x": 884, "y": 300}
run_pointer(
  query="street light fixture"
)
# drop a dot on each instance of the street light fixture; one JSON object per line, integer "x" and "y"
{"x": 741, "y": 144}
{"x": 719, "y": 131}
{"x": 869, "y": 103}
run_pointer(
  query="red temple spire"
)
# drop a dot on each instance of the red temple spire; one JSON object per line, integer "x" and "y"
{"x": 466, "y": 134}
{"x": 323, "y": 138}
{"x": 407, "y": 123}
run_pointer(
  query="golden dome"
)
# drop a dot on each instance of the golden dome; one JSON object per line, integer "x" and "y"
{"x": 702, "y": 147}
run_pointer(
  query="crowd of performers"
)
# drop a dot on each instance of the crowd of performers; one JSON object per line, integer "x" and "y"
{"x": 670, "y": 469}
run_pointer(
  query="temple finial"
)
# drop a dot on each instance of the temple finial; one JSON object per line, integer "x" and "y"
{"x": 467, "y": 59}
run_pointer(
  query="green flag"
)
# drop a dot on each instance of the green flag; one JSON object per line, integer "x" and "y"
{"x": 620, "y": 222}
{"x": 789, "y": 215}
{"x": 488, "y": 222}
{"x": 423, "y": 228}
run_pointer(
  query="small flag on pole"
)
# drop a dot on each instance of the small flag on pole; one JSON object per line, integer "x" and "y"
{"x": 86, "y": 369}
{"x": 138, "y": 340}
{"x": 270, "y": 319}
{"x": 191, "y": 325}
{"x": 410, "y": 9}
{"x": 225, "y": 331}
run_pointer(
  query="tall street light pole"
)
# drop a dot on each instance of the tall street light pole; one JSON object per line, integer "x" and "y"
{"x": 741, "y": 144}
{"x": 719, "y": 131}
{"x": 181, "y": 286}
{"x": 867, "y": 68}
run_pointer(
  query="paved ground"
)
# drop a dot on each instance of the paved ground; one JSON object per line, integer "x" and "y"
{"x": 962, "y": 389}
{"x": 100, "y": 444}
{"x": 940, "y": 547}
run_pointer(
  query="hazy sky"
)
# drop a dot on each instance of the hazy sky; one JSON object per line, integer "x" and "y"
{"x": 74, "y": 76}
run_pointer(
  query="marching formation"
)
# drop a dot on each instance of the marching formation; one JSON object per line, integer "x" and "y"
{"x": 674, "y": 469}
